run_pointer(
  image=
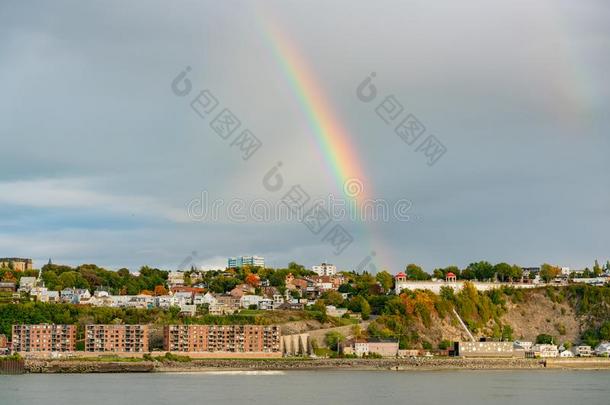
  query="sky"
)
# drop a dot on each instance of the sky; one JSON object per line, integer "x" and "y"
{"x": 105, "y": 160}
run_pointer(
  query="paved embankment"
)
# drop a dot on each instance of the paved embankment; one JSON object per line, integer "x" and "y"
{"x": 354, "y": 364}
{"x": 75, "y": 366}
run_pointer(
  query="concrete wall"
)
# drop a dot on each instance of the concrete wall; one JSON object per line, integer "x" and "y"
{"x": 488, "y": 349}
{"x": 435, "y": 286}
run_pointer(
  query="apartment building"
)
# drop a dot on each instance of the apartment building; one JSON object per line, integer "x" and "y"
{"x": 16, "y": 263}
{"x": 238, "y": 262}
{"x": 44, "y": 338}
{"x": 116, "y": 338}
{"x": 325, "y": 269}
{"x": 222, "y": 338}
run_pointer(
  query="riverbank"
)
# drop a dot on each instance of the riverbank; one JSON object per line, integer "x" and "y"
{"x": 88, "y": 366}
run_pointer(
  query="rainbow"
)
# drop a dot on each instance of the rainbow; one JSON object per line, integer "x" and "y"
{"x": 332, "y": 139}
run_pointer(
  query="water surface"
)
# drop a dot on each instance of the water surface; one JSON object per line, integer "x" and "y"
{"x": 311, "y": 387}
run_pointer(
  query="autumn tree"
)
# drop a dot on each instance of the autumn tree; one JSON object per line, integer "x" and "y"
{"x": 548, "y": 272}
{"x": 160, "y": 290}
{"x": 253, "y": 280}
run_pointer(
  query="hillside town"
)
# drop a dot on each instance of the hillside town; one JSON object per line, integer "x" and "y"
{"x": 247, "y": 287}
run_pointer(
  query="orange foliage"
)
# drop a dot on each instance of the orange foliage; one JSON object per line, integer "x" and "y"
{"x": 160, "y": 290}
{"x": 253, "y": 280}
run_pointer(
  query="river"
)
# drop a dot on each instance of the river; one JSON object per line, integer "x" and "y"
{"x": 311, "y": 387}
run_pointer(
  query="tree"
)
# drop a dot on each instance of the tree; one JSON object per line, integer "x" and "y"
{"x": 544, "y": 339}
{"x": 360, "y": 304}
{"x": 549, "y": 272}
{"x": 333, "y": 298}
{"x": 415, "y": 272}
{"x": 160, "y": 290}
{"x": 604, "y": 331}
{"x": 482, "y": 270}
{"x": 333, "y": 339}
{"x": 503, "y": 271}
{"x": 597, "y": 270}
{"x": 385, "y": 279}
{"x": 253, "y": 280}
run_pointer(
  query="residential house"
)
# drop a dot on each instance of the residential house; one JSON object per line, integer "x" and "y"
{"x": 205, "y": 299}
{"x": 241, "y": 290}
{"x": 247, "y": 300}
{"x": 361, "y": 347}
{"x": 175, "y": 278}
{"x": 265, "y": 304}
{"x": 7, "y": 286}
{"x": 331, "y": 310}
{"x": 603, "y": 349}
{"x": 188, "y": 310}
{"x": 75, "y": 295}
{"x": 545, "y": 350}
{"x": 26, "y": 284}
{"x": 583, "y": 351}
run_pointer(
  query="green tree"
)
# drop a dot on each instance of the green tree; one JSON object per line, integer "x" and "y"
{"x": 503, "y": 271}
{"x": 414, "y": 272}
{"x": 604, "y": 331}
{"x": 482, "y": 270}
{"x": 385, "y": 279}
{"x": 597, "y": 269}
{"x": 361, "y": 305}
{"x": 549, "y": 272}
{"x": 544, "y": 339}
{"x": 333, "y": 339}
{"x": 333, "y": 298}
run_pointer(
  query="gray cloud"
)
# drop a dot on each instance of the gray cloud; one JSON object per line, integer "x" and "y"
{"x": 516, "y": 91}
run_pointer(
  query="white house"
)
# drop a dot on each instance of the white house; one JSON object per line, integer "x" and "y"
{"x": 248, "y": 300}
{"x": 583, "y": 351}
{"x": 26, "y": 284}
{"x": 544, "y": 350}
{"x": 175, "y": 278}
{"x": 207, "y": 298}
{"x": 603, "y": 349}
{"x": 265, "y": 304}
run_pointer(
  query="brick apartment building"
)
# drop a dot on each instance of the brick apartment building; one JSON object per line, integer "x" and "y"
{"x": 44, "y": 338}
{"x": 226, "y": 338}
{"x": 116, "y": 338}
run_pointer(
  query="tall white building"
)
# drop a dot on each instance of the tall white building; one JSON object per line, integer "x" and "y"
{"x": 325, "y": 269}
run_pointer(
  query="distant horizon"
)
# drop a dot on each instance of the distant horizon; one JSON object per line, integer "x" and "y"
{"x": 601, "y": 262}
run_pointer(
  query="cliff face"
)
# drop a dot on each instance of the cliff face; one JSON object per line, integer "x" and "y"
{"x": 538, "y": 314}
{"x": 568, "y": 314}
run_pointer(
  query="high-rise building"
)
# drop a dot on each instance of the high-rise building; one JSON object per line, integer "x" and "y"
{"x": 116, "y": 338}
{"x": 325, "y": 269}
{"x": 222, "y": 338}
{"x": 238, "y": 262}
{"x": 44, "y": 338}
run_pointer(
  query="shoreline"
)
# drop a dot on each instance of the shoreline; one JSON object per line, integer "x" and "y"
{"x": 244, "y": 365}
